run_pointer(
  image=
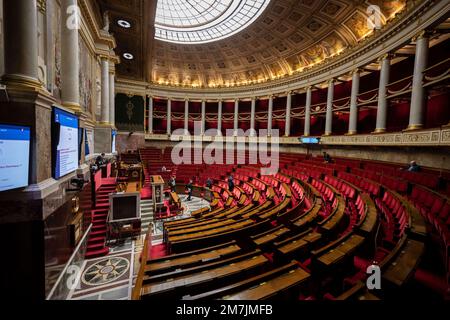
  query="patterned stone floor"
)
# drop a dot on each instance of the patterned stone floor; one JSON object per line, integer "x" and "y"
{"x": 112, "y": 277}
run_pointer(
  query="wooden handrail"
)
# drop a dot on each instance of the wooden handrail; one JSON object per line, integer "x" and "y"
{"x": 136, "y": 293}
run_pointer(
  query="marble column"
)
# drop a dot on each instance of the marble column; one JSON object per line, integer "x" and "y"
{"x": 169, "y": 117}
{"x": 287, "y": 130}
{"x": 186, "y": 115}
{"x": 252, "y": 117}
{"x": 269, "y": 116}
{"x": 382, "y": 93}
{"x": 21, "y": 42}
{"x": 150, "y": 114}
{"x": 418, "y": 96}
{"x": 219, "y": 118}
{"x": 70, "y": 63}
{"x": 105, "y": 91}
{"x": 203, "y": 117}
{"x": 353, "y": 121}
{"x": 112, "y": 99}
{"x": 329, "y": 114}
{"x": 307, "y": 129}
{"x": 236, "y": 117}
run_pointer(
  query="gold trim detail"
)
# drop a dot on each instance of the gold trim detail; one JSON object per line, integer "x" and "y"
{"x": 379, "y": 130}
{"x": 41, "y": 5}
{"x": 412, "y": 127}
{"x": 22, "y": 81}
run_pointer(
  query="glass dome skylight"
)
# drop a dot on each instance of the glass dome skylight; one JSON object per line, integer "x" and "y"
{"x": 200, "y": 21}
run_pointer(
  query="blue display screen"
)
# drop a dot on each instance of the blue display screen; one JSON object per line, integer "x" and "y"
{"x": 67, "y": 147}
{"x": 14, "y": 156}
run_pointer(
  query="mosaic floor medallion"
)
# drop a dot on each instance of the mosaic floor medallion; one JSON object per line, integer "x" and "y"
{"x": 105, "y": 271}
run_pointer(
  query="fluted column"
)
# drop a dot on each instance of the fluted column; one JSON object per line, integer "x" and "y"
{"x": 105, "y": 91}
{"x": 169, "y": 116}
{"x": 329, "y": 114}
{"x": 269, "y": 116}
{"x": 203, "y": 117}
{"x": 112, "y": 99}
{"x": 382, "y": 93}
{"x": 252, "y": 117}
{"x": 307, "y": 129}
{"x": 418, "y": 97}
{"x": 287, "y": 128}
{"x": 236, "y": 117}
{"x": 219, "y": 118}
{"x": 353, "y": 121}
{"x": 186, "y": 115}
{"x": 70, "y": 63}
{"x": 21, "y": 43}
{"x": 150, "y": 114}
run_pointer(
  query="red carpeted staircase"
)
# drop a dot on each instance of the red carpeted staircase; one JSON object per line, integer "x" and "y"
{"x": 96, "y": 244}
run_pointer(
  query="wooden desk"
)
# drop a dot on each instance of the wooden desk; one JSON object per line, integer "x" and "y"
{"x": 402, "y": 267}
{"x": 368, "y": 225}
{"x": 333, "y": 220}
{"x": 260, "y": 208}
{"x": 275, "y": 211}
{"x": 204, "y": 276}
{"x": 157, "y": 180}
{"x": 184, "y": 261}
{"x": 269, "y": 237}
{"x": 342, "y": 250}
{"x": 270, "y": 288}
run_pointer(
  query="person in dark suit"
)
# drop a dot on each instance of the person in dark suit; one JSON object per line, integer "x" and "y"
{"x": 413, "y": 167}
{"x": 209, "y": 183}
{"x": 326, "y": 157}
{"x": 189, "y": 188}
{"x": 230, "y": 183}
{"x": 172, "y": 183}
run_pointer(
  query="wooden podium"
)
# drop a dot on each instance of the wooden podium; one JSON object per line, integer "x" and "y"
{"x": 157, "y": 183}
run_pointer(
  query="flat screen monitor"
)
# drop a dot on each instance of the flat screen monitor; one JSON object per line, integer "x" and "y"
{"x": 309, "y": 140}
{"x": 89, "y": 142}
{"x": 65, "y": 143}
{"x": 125, "y": 206}
{"x": 14, "y": 156}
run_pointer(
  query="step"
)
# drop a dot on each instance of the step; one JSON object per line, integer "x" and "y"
{"x": 98, "y": 233}
{"x": 93, "y": 240}
{"x": 96, "y": 253}
{"x": 95, "y": 246}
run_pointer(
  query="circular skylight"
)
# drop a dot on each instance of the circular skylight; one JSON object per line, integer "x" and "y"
{"x": 200, "y": 21}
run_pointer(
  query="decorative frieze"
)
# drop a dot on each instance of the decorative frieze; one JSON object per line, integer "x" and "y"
{"x": 407, "y": 138}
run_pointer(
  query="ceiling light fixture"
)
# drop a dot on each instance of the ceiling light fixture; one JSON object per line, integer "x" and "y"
{"x": 124, "y": 24}
{"x": 128, "y": 56}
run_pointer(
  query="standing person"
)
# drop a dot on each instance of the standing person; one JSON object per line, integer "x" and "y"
{"x": 230, "y": 183}
{"x": 326, "y": 157}
{"x": 189, "y": 188}
{"x": 172, "y": 183}
{"x": 209, "y": 183}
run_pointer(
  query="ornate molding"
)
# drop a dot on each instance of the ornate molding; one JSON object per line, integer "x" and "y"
{"x": 395, "y": 35}
{"x": 436, "y": 137}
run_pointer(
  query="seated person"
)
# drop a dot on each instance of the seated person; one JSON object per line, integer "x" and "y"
{"x": 413, "y": 167}
{"x": 326, "y": 157}
{"x": 164, "y": 169}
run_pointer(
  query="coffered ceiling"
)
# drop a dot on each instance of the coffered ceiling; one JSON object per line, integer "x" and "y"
{"x": 290, "y": 35}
